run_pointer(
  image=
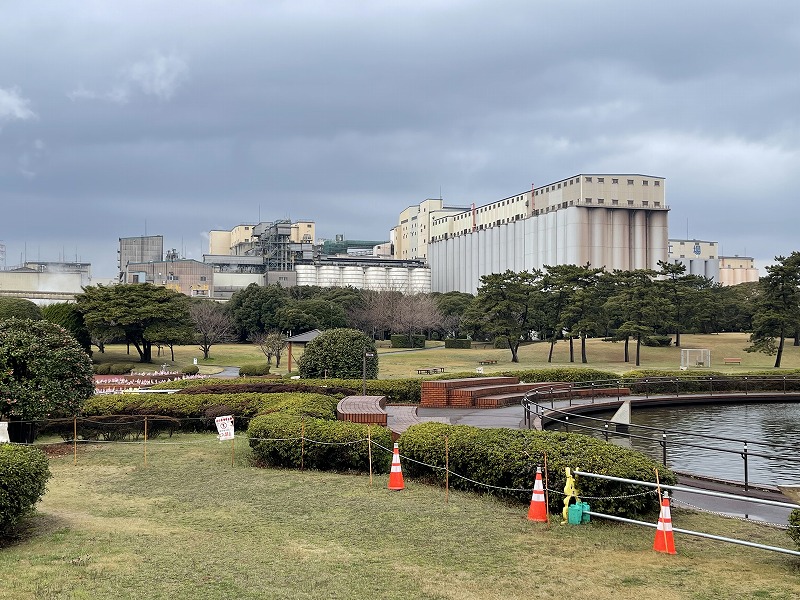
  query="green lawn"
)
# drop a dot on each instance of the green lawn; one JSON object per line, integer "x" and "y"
{"x": 189, "y": 525}
{"x": 404, "y": 363}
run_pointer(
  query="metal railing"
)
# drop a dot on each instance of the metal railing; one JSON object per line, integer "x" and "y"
{"x": 694, "y": 491}
{"x": 535, "y": 404}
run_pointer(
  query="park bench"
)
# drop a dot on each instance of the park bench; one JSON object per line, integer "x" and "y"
{"x": 487, "y": 362}
{"x": 732, "y": 361}
{"x": 430, "y": 370}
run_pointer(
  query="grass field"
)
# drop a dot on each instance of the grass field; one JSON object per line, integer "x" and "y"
{"x": 404, "y": 363}
{"x": 189, "y": 525}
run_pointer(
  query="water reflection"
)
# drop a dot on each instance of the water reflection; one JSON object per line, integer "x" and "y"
{"x": 769, "y": 429}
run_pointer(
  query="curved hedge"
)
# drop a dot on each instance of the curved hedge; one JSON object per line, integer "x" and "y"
{"x": 343, "y": 444}
{"x": 663, "y": 382}
{"x": 24, "y": 472}
{"x": 508, "y": 458}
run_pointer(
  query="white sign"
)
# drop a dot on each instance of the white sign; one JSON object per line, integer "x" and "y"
{"x": 195, "y": 361}
{"x": 224, "y": 427}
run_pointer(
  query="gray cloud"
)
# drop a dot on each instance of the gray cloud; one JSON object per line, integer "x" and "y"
{"x": 348, "y": 112}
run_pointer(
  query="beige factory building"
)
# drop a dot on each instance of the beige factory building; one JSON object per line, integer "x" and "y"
{"x": 617, "y": 221}
{"x": 239, "y": 240}
{"x": 734, "y": 270}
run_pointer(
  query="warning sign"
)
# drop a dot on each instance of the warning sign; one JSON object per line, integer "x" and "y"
{"x": 225, "y": 427}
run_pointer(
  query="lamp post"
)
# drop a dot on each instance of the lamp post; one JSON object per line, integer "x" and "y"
{"x": 367, "y": 354}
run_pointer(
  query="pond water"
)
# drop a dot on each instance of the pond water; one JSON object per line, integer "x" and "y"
{"x": 771, "y": 429}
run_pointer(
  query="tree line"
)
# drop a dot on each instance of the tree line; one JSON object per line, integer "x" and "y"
{"x": 562, "y": 303}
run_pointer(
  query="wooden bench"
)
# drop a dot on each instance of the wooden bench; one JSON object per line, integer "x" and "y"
{"x": 430, "y": 370}
{"x": 487, "y": 362}
{"x": 732, "y": 361}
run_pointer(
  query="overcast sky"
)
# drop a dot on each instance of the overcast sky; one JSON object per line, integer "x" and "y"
{"x": 174, "y": 118}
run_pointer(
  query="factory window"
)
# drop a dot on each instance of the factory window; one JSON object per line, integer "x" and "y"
{"x": 657, "y": 183}
{"x": 645, "y": 203}
{"x": 614, "y": 202}
{"x": 601, "y": 201}
{"x": 588, "y": 180}
{"x": 588, "y": 200}
{"x": 601, "y": 180}
{"x": 630, "y": 181}
{"x": 657, "y": 204}
{"x": 645, "y": 182}
{"x": 683, "y": 256}
{"x": 570, "y": 182}
{"x": 559, "y": 186}
{"x": 202, "y": 277}
{"x": 615, "y": 180}
{"x": 630, "y": 202}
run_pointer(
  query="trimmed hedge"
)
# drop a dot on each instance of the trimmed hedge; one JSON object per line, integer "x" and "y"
{"x": 464, "y": 344}
{"x": 203, "y": 408}
{"x": 663, "y": 382}
{"x": 113, "y": 368}
{"x": 508, "y": 458}
{"x": 190, "y": 370}
{"x": 24, "y": 472}
{"x": 254, "y": 370}
{"x": 343, "y": 444}
{"x": 794, "y": 526}
{"x": 657, "y": 340}
{"x": 402, "y": 341}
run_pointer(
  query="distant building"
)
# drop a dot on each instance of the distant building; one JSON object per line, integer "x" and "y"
{"x": 734, "y": 270}
{"x": 186, "y": 276}
{"x": 701, "y": 257}
{"x": 411, "y": 236}
{"x": 140, "y": 249}
{"x": 607, "y": 220}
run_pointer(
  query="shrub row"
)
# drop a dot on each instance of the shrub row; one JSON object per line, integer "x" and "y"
{"x": 650, "y": 381}
{"x": 403, "y": 341}
{"x": 113, "y": 368}
{"x": 508, "y": 458}
{"x": 23, "y": 477}
{"x": 254, "y": 370}
{"x": 657, "y": 340}
{"x": 112, "y": 427}
{"x": 464, "y": 344}
{"x": 203, "y": 408}
{"x": 344, "y": 445}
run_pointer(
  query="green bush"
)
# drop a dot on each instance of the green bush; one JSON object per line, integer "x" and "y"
{"x": 507, "y": 458}
{"x": 19, "y": 308}
{"x": 43, "y": 370}
{"x": 458, "y": 343}
{"x": 23, "y": 476}
{"x": 112, "y": 427}
{"x": 402, "y": 341}
{"x": 794, "y": 526}
{"x": 339, "y": 352}
{"x": 657, "y": 340}
{"x": 254, "y": 370}
{"x": 328, "y": 446}
{"x": 190, "y": 370}
{"x": 101, "y": 369}
{"x": 651, "y": 381}
{"x": 120, "y": 368}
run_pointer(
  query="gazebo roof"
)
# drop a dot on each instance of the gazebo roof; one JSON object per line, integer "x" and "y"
{"x": 304, "y": 338}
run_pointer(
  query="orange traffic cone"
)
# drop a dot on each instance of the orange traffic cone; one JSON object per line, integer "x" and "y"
{"x": 664, "y": 539}
{"x": 538, "y": 509}
{"x": 396, "y": 476}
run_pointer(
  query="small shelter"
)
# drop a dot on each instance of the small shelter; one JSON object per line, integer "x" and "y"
{"x": 301, "y": 339}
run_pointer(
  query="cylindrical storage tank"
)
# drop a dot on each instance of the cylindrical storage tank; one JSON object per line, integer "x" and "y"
{"x": 599, "y": 243}
{"x": 620, "y": 240}
{"x": 697, "y": 267}
{"x": 639, "y": 236}
{"x": 657, "y": 238}
{"x": 712, "y": 270}
{"x": 541, "y": 241}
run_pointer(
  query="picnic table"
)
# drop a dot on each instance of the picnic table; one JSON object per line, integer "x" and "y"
{"x": 487, "y": 361}
{"x": 430, "y": 370}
